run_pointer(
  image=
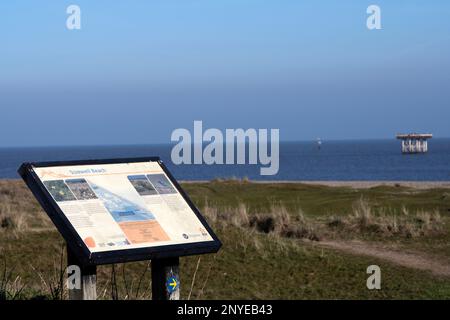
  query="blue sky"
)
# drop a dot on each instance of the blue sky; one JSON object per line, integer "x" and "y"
{"x": 139, "y": 69}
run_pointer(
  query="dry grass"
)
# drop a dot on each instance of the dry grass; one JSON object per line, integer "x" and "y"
{"x": 19, "y": 211}
{"x": 364, "y": 219}
{"x": 11, "y": 287}
{"x": 277, "y": 222}
{"x": 10, "y": 220}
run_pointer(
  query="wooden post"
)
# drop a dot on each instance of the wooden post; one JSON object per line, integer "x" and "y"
{"x": 88, "y": 274}
{"x": 165, "y": 279}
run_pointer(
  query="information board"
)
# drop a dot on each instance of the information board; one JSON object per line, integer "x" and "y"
{"x": 119, "y": 210}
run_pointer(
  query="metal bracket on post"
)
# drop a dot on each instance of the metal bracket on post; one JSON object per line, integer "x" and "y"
{"x": 88, "y": 280}
{"x": 166, "y": 279}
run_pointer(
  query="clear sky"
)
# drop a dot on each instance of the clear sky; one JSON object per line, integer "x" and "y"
{"x": 139, "y": 69}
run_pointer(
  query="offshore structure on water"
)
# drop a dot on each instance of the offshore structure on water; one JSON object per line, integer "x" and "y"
{"x": 414, "y": 142}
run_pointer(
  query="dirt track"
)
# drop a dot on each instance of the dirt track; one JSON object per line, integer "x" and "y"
{"x": 411, "y": 260}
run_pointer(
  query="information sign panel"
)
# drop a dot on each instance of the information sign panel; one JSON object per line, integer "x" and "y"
{"x": 119, "y": 210}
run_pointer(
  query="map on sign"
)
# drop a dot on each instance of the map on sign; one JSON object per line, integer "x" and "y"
{"x": 116, "y": 206}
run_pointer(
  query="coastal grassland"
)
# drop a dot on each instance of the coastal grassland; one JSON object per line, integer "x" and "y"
{"x": 250, "y": 266}
{"x": 316, "y": 200}
{"x": 321, "y": 205}
{"x": 268, "y": 251}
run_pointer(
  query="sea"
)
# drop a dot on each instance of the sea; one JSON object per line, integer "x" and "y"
{"x": 350, "y": 160}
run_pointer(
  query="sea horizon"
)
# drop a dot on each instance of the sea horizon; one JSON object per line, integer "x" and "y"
{"x": 314, "y": 140}
{"x": 334, "y": 160}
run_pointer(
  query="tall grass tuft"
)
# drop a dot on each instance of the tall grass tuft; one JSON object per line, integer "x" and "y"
{"x": 10, "y": 287}
{"x": 12, "y": 221}
{"x": 364, "y": 219}
{"x": 278, "y": 221}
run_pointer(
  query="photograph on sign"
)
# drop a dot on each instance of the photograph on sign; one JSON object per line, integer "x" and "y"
{"x": 120, "y": 206}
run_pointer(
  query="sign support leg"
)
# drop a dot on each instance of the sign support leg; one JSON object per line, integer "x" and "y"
{"x": 88, "y": 280}
{"x": 165, "y": 279}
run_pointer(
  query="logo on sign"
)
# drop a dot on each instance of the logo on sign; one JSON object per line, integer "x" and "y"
{"x": 172, "y": 284}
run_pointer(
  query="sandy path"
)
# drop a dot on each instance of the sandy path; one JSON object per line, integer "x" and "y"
{"x": 410, "y": 260}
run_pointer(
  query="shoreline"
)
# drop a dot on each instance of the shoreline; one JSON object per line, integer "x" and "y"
{"x": 356, "y": 184}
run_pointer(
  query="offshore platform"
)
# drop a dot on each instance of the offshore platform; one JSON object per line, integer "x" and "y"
{"x": 414, "y": 142}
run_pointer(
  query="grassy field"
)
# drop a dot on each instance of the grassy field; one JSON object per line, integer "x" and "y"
{"x": 280, "y": 241}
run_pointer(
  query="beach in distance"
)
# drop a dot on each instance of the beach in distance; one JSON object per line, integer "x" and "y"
{"x": 350, "y": 184}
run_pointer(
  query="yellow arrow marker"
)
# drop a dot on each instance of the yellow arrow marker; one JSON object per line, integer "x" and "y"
{"x": 173, "y": 283}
